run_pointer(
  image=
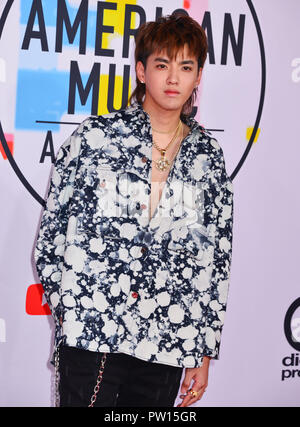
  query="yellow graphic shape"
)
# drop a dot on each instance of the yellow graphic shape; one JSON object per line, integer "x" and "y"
{"x": 116, "y": 19}
{"x": 249, "y": 133}
{"x": 103, "y": 93}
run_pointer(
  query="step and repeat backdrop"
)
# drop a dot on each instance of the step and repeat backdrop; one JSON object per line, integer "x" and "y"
{"x": 63, "y": 60}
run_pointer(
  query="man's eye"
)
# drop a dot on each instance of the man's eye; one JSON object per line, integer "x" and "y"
{"x": 187, "y": 68}
{"x": 161, "y": 66}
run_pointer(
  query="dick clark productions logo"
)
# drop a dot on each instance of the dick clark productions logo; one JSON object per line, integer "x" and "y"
{"x": 292, "y": 333}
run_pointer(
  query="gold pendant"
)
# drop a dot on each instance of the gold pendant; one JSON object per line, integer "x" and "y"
{"x": 162, "y": 164}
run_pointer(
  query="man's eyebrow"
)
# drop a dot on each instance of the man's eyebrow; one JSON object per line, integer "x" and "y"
{"x": 166, "y": 61}
{"x": 161, "y": 60}
{"x": 188, "y": 61}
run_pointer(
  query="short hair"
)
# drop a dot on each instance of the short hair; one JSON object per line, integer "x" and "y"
{"x": 170, "y": 33}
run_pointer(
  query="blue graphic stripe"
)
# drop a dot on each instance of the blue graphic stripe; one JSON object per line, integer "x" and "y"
{"x": 43, "y": 95}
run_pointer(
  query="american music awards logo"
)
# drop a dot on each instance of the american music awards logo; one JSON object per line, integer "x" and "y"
{"x": 74, "y": 58}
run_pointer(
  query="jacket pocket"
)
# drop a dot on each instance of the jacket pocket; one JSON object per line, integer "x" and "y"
{"x": 101, "y": 203}
{"x": 196, "y": 243}
{"x": 106, "y": 227}
{"x": 110, "y": 200}
{"x": 109, "y": 193}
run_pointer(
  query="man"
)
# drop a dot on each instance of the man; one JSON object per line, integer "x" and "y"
{"x": 135, "y": 244}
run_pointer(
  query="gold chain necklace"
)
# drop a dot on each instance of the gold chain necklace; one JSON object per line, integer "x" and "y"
{"x": 165, "y": 133}
{"x": 163, "y": 163}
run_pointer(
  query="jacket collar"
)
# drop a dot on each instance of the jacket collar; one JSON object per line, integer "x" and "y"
{"x": 138, "y": 113}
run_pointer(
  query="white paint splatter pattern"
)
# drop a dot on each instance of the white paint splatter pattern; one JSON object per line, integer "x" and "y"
{"x": 89, "y": 254}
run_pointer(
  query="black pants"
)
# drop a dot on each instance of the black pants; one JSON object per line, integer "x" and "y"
{"x": 126, "y": 382}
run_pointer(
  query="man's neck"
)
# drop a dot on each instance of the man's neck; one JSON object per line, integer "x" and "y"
{"x": 161, "y": 119}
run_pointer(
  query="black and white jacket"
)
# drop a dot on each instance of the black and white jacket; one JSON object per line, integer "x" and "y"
{"x": 154, "y": 289}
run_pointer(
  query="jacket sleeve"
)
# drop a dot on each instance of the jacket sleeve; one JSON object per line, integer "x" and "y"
{"x": 219, "y": 286}
{"x": 50, "y": 244}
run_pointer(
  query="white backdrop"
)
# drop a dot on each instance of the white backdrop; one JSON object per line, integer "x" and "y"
{"x": 251, "y": 81}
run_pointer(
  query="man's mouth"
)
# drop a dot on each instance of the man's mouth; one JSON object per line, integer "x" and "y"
{"x": 171, "y": 92}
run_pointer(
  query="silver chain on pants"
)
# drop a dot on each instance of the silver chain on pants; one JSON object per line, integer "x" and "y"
{"x": 56, "y": 365}
{"x": 99, "y": 379}
{"x": 96, "y": 388}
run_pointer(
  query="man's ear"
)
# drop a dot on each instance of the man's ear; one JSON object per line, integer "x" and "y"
{"x": 140, "y": 71}
{"x": 199, "y": 76}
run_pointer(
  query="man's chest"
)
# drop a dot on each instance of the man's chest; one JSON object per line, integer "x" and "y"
{"x": 121, "y": 180}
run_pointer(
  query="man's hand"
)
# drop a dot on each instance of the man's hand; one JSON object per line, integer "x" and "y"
{"x": 200, "y": 377}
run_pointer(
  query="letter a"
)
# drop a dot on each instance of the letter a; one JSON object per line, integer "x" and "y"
{"x": 36, "y": 11}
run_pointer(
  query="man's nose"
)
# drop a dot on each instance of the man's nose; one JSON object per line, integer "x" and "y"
{"x": 172, "y": 76}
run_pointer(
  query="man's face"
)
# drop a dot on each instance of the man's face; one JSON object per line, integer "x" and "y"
{"x": 169, "y": 83}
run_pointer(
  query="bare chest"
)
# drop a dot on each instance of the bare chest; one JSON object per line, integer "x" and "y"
{"x": 159, "y": 178}
{"x": 158, "y": 181}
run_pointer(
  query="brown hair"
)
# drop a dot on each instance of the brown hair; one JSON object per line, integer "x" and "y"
{"x": 169, "y": 33}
